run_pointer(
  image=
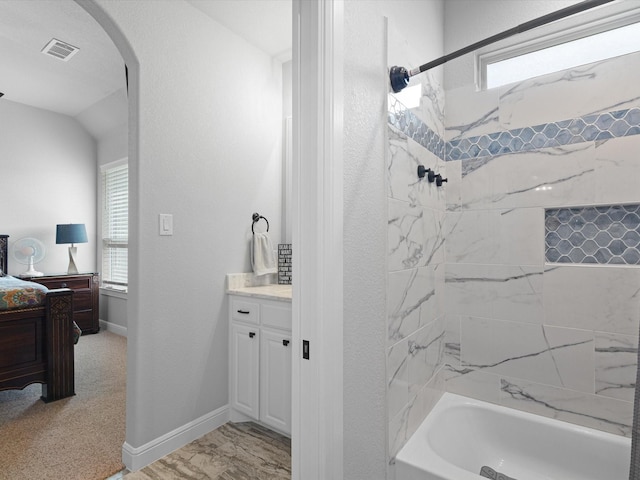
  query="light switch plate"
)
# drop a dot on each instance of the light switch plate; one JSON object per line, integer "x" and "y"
{"x": 165, "y": 221}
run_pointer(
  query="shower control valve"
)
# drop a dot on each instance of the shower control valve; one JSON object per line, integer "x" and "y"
{"x": 440, "y": 180}
{"x": 424, "y": 171}
{"x": 431, "y": 175}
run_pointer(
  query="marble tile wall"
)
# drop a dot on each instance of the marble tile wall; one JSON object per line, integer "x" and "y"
{"x": 557, "y": 339}
{"x": 415, "y": 285}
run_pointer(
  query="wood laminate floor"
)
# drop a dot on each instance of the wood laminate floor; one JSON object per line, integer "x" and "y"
{"x": 235, "y": 451}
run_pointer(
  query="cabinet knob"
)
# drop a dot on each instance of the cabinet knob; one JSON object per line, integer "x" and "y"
{"x": 63, "y": 285}
{"x": 252, "y": 334}
{"x": 244, "y": 312}
{"x": 285, "y": 343}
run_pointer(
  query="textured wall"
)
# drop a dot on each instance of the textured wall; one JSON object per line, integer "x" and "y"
{"x": 364, "y": 243}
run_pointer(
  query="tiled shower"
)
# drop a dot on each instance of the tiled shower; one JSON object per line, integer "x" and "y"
{"x": 518, "y": 281}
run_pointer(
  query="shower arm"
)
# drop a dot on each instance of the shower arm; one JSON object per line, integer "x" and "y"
{"x": 399, "y": 76}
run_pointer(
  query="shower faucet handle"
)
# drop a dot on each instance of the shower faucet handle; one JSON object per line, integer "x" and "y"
{"x": 440, "y": 180}
{"x": 423, "y": 171}
{"x": 431, "y": 175}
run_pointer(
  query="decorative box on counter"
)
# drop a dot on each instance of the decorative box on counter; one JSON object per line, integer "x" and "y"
{"x": 284, "y": 263}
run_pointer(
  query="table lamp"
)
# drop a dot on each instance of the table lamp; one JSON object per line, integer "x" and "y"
{"x": 71, "y": 233}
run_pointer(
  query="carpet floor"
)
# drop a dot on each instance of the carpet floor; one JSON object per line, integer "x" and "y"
{"x": 77, "y": 438}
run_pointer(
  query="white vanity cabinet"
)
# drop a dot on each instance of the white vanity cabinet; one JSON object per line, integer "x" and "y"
{"x": 260, "y": 361}
{"x": 245, "y": 365}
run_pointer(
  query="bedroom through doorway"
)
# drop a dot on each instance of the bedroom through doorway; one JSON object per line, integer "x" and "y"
{"x": 64, "y": 114}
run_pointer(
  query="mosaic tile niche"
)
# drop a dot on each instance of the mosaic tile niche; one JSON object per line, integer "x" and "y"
{"x": 597, "y": 235}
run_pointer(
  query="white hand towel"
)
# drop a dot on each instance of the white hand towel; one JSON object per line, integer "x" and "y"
{"x": 262, "y": 259}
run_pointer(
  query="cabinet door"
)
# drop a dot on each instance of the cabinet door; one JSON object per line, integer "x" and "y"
{"x": 275, "y": 379}
{"x": 245, "y": 368}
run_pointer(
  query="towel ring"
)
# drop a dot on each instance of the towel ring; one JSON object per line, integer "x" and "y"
{"x": 256, "y": 218}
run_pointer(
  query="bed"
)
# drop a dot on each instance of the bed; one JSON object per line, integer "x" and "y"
{"x": 36, "y": 335}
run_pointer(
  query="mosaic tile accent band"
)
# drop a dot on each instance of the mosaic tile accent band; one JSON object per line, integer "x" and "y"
{"x": 599, "y": 235}
{"x": 588, "y": 128}
{"x": 404, "y": 120}
{"x": 566, "y": 132}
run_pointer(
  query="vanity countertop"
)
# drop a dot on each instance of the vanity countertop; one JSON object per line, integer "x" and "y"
{"x": 271, "y": 292}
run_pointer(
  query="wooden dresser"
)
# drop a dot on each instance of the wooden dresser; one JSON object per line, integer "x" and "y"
{"x": 85, "y": 296}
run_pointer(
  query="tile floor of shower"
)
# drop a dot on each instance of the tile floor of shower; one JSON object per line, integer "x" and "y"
{"x": 232, "y": 452}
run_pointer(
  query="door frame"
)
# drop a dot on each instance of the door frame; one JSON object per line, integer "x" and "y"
{"x": 317, "y": 307}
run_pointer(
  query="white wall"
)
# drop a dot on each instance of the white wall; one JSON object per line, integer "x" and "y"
{"x": 207, "y": 150}
{"x": 113, "y": 312}
{"x": 287, "y": 147}
{"x": 287, "y": 89}
{"x": 48, "y": 177}
{"x": 112, "y": 146}
{"x": 364, "y": 243}
{"x": 106, "y": 116}
{"x": 365, "y": 218}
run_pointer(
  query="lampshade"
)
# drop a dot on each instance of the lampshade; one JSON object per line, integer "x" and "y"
{"x": 71, "y": 233}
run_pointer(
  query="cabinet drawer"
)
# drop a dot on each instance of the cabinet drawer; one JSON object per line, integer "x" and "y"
{"x": 84, "y": 321}
{"x": 277, "y": 316}
{"x": 245, "y": 311}
{"x": 82, "y": 300}
{"x": 72, "y": 283}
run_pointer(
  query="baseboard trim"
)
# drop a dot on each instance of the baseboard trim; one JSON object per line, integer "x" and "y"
{"x": 135, "y": 458}
{"x": 113, "y": 327}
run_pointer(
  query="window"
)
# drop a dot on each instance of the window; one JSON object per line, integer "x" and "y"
{"x": 570, "y": 49}
{"x": 115, "y": 225}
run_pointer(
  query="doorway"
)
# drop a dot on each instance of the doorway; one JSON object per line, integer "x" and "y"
{"x": 155, "y": 372}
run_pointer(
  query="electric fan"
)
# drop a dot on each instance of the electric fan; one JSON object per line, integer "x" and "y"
{"x": 29, "y": 251}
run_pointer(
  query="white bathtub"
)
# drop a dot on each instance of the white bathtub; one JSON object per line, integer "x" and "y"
{"x": 461, "y": 435}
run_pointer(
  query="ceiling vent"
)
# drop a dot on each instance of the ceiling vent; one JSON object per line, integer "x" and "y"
{"x": 60, "y": 50}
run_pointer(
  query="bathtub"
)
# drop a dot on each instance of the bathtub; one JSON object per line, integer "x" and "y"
{"x": 462, "y": 435}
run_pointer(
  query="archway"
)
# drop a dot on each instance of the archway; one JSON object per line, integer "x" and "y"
{"x": 132, "y": 68}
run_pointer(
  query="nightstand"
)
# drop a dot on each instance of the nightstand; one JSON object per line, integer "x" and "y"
{"x": 85, "y": 296}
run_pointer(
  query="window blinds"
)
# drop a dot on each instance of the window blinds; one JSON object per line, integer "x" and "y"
{"x": 115, "y": 226}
